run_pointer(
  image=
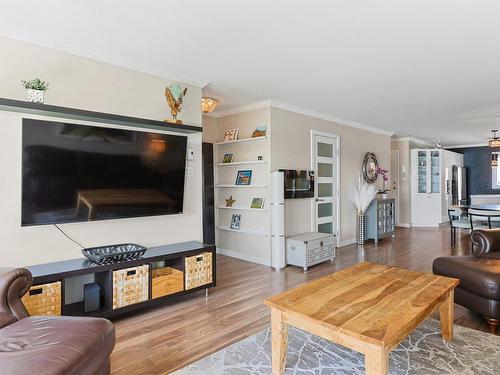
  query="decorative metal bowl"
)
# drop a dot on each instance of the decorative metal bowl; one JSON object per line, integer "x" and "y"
{"x": 114, "y": 253}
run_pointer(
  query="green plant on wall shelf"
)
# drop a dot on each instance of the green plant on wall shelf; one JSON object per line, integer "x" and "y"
{"x": 35, "y": 84}
{"x": 35, "y": 90}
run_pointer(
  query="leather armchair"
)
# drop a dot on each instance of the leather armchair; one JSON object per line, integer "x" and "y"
{"x": 479, "y": 274}
{"x": 45, "y": 345}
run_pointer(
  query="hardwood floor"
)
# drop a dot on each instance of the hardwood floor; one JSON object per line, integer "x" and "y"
{"x": 162, "y": 339}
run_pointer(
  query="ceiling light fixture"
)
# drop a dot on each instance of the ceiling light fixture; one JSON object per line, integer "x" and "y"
{"x": 494, "y": 141}
{"x": 208, "y": 104}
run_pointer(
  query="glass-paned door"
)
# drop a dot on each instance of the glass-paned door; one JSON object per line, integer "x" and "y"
{"x": 422, "y": 172}
{"x": 324, "y": 164}
{"x": 435, "y": 172}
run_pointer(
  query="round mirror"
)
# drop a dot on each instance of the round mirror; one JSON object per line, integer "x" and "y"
{"x": 370, "y": 166}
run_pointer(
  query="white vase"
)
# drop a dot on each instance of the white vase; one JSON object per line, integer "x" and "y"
{"x": 384, "y": 196}
{"x": 35, "y": 96}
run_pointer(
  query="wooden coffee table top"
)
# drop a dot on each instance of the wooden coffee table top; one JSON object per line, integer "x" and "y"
{"x": 370, "y": 302}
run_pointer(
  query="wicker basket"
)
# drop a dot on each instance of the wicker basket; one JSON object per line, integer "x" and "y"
{"x": 166, "y": 281}
{"x": 198, "y": 270}
{"x": 44, "y": 299}
{"x": 130, "y": 285}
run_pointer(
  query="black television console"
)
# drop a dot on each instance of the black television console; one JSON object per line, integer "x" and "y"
{"x": 162, "y": 273}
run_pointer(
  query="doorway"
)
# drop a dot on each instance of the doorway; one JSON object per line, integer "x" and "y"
{"x": 325, "y": 155}
{"x": 395, "y": 181}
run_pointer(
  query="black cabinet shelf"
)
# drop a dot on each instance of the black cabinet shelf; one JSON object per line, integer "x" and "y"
{"x": 13, "y": 105}
{"x": 171, "y": 255}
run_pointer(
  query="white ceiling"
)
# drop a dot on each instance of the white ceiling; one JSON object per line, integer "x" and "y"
{"x": 424, "y": 68}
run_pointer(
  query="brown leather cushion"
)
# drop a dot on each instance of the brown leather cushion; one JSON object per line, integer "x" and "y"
{"x": 55, "y": 345}
{"x": 478, "y": 275}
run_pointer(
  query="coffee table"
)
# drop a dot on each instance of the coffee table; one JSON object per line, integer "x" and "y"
{"x": 369, "y": 308}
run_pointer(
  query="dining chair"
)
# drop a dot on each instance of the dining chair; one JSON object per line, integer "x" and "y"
{"x": 483, "y": 219}
{"x": 456, "y": 222}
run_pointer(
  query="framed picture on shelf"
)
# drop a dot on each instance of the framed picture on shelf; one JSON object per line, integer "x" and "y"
{"x": 235, "y": 222}
{"x": 257, "y": 203}
{"x": 244, "y": 177}
{"x": 231, "y": 135}
{"x": 260, "y": 131}
{"x": 228, "y": 157}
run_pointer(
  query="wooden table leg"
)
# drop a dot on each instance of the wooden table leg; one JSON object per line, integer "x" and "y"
{"x": 279, "y": 341}
{"x": 377, "y": 361}
{"x": 446, "y": 316}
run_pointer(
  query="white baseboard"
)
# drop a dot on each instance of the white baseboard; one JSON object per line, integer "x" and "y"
{"x": 426, "y": 225}
{"x": 346, "y": 242}
{"x": 404, "y": 225}
{"x": 242, "y": 256}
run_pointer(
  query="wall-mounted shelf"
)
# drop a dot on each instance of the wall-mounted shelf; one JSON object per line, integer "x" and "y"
{"x": 241, "y": 186}
{"x": 243, "y": 140}
{"x": 242, "y": 208}
{"x": 245, "y": 231}
{"x": 242, "y": 162}
{"x": 84, "y": 115}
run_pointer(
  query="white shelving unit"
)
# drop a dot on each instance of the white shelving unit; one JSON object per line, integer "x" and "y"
{"x": 254, "y": 139}
{"x": 241, "y": 186}
{"x": 244, "y": 231}
{"x": 253, "y": 240}
{"x": 242, "y": 208}
{"x": 242, "y": 163}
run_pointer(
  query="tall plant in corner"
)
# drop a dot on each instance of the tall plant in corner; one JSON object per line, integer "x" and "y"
{"x": 361, "y": 195}
{"x": 35, "y": 90}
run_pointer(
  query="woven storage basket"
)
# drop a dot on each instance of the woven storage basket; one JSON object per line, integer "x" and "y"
{"x": 165, "y": 281}
{"x": 198, "y": 270}
{"x": 43, "y": 299}
{"x": 130, "y": 285}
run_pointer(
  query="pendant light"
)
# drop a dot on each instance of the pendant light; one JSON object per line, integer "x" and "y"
{"x": 208, "y": 104}
{"x": 494, "y": 141}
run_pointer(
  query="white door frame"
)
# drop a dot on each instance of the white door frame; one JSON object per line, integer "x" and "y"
{"x": 396, "y": 172}
{"x": 336, "y": 198}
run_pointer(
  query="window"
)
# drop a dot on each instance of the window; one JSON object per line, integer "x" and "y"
{"x": 495, "y": 173}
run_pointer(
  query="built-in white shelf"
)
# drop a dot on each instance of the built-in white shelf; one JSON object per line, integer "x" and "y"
{"x": 242, "y": 162}
{"x": 243, "y": 140}
{"x": 242, "y": 208}
{"x": 241, "y": 186}
{"x": 246, "y": 231}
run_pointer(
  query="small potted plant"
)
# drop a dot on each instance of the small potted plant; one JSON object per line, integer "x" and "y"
{"x": 385, "y": 178}
{"x": 35, "y": 90}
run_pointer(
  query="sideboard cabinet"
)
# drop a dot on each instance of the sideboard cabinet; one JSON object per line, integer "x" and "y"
{"x": 380, "y": 219}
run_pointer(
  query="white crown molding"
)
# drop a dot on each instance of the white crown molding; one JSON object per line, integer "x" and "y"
{"x": 413, "y": 139}
{"x": 467, "y": 146}
{"x": 323, "y": 116}
{"x": 303, "y": 111}
{"x": 240, "y": 109}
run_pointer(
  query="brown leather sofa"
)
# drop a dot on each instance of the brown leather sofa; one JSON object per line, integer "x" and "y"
{"x": 479, "y": 274}
{"x": 48, "y": 345}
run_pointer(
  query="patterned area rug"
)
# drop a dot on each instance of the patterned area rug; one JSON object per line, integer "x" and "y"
{"x": 423, "y": 353}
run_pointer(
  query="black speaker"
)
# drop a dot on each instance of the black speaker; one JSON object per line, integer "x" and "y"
{"x": 91, "y": 297}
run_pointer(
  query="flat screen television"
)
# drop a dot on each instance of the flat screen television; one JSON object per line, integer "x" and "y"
{"x": 73, "y": 173}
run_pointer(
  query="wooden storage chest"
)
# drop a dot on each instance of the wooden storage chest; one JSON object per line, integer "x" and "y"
{"x": 307, "y": 249}
{"x": 44, "y": 299}
{"x": 198, "y": 270}
{"x": 165, "y": 281}
{"x": 130, "y": 285}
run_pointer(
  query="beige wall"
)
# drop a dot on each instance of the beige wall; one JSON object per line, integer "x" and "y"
{"x": 291, "y": 149}
{"x": 87, "y": 84}
{"x": 209, "y": 129}
{"x": 404, "y": 206}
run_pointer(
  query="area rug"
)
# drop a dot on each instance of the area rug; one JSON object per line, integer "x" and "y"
{"x": 423, "y": 353}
